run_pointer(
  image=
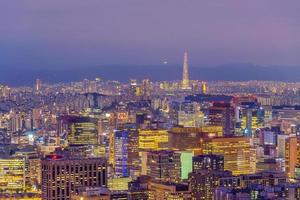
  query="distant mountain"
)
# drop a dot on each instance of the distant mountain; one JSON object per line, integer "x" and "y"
{"x": 234, "y": 72}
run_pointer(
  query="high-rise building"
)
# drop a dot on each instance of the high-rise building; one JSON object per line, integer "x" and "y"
{"x": 62, "y": 176}
{"x": 78, "y": 130}
{"x": 185, "y": 74}
{"x": 208, "y": 162}
{"x": 164, "y": 166}
{"x": 12, "y": 175}
{"x": 153, "y": 139}
{"x": 250, "y": 116}
{"x": 239, "y": 154}
{"x": 292, "y": 155}
{"x": 222, "y": 114}
{"x": 121, "y": 153}
{"x": 133, "y": 153}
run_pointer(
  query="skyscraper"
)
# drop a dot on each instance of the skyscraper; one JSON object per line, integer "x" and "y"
{"x": 121, "y": 153}
{"x": 164, "y": 166}
{"x": 238, "y": 152}
{"x": 185, "y": 74}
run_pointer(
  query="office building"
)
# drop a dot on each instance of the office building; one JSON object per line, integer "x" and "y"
{"x": 62, "y": 176}
{"x": 121, "y": 153}
{"x": 164, "y": 166}
{"x": 203, "y": 183}
{"x": 153, "y": 139}
{"x": 12, "y": 175}
{"x": 292, "y": 155}
{"x": 239, "y": 154}
{"x": 78, "y": 130}
{"x": 222, "y": 114}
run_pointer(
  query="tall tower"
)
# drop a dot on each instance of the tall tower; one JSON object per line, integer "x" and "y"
{"x": 185, "y": 74}
{"x": 38, "y": 85}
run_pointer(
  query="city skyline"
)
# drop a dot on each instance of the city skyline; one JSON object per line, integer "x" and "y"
{"x": 149, "y": 100}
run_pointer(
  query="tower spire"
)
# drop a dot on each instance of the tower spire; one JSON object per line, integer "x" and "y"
{"x": 185, "y": 74}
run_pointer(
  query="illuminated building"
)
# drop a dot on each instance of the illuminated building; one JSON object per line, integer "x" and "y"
{"x": 168, "y": 190}
{"x": 133, "y": 87}
{"x": 203, "y": 183}
{"x": 92, "y": 193}
{"x": 188, "y": 138}
{"x": 251, "y": 116}
{"x": 208, "y": 162}
{"x": 78, "y": 130}
{"x": 238, "y": 152}
{"x": 35, "y": 171}
{"x": 32, "y": 167}
{"x": 121, "y": 153}
{"x": 21, "y": 196}
{"x": 204, "y": 88}
{"x": 38, "y": 85}
{"x": 153, "y": 139}
{"x": 185, "y": 73}
{"x": 186, "y": 163}
{"x": 12, "y": 175}
{"x": 62, "y": 176}
{"x": 122, "y": 117}
{"x": 133, "y": 153}
{"x": 144, "y": 161}
{"x": 292, "y": 155}
{"x": 222, "y": 114}
{"x": 195, "y": 119}
{"x": 164, "y": 166}
{"x": 118, "y": 183}
{"x": 207, "y": 169}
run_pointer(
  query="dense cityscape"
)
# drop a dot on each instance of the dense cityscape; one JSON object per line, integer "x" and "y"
{"x": 182, "y": 139}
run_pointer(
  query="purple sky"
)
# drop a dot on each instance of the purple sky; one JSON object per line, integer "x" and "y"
{"x": 55, "y": 33}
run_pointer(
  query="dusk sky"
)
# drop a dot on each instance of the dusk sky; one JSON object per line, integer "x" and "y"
{"x": 83, "y": 33}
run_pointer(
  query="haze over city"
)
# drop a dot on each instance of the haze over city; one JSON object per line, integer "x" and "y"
{"x": 42, "y": 36}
